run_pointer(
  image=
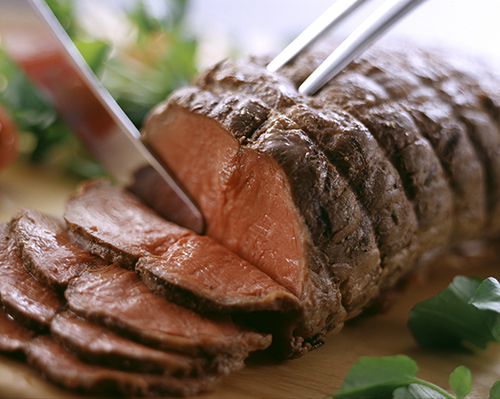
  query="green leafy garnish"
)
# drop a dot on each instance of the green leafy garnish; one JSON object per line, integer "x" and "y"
{"x": 460, "y": 381}
{"x": 394, "y": 377}
{"x": 466, "y": 311}
{"x": 495, "y": 391}
{"x": 487, "y": 296}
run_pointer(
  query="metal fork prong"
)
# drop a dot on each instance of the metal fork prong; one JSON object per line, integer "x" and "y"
{"x": 370, "y": 30}
{"x": 332, "y": 16}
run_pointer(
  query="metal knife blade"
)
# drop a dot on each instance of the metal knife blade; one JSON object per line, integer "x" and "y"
{"x": 32, "y": 36}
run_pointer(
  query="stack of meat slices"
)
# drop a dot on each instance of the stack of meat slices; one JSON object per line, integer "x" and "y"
{"x": 91, "y": 323}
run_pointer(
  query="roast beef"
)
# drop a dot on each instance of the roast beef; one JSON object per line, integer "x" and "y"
{"x": 199, "y": 274}
{"x": 120, "y": 228}
{"x": 460, "y": 85}
{"x": 118, "y": 298}
{"x": 193, "y": 271}
{"x": 437, "y": 123}
{"x": 92, "y": 357}
{"x": 13, "y": 336}
{"x": 315, "y": 208}
{"x": 46, "y": 250}
{"x": 64, "y": 368}
{"x": 26, "y": 299}
{"x": 99, "y": 345}
{"x": 340, "y": 195}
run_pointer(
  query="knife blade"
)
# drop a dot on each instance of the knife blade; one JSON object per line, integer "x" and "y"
{"x": 34, "y": 39}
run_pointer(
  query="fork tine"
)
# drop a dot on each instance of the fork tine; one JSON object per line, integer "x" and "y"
{"x": 332, "y": 16}
{"x": 370, "y": 30}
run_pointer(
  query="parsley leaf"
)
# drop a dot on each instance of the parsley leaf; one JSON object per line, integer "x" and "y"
{"x": 460, "y": 381}
{"x": 487, "y": 295}
{"x": 450, "y": 318}
{"x": 386, "y": 377}
{"x": 495, "y": 391}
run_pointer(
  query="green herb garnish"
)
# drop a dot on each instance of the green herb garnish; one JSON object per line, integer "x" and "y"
{"x": 495, "y": 391}
{"x": 468, "y": 310}
{"x": 394, "y": 377}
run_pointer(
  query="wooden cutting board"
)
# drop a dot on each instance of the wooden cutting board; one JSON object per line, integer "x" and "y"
{"x": 315, "y": 375}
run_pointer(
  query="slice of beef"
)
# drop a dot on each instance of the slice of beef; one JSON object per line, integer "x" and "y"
{"x": 320, "y": 192}
{"x": 193, "y": 271}
{"x": 26, "y": 299}
{"x": 63, "y": 368}
{"x": 99, "y": 345}
{"x": 47, "y": 251}
{"x": 92, "y": 222}
{"x": 13, "y": 336}
{"x": 118, "y": 299}
{"x": 200, "y": 274}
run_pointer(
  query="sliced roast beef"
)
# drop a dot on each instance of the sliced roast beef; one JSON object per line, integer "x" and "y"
{"x": 190, "y": 270}
{"x": 13, "y": 336}
{"x": 99, "y": 345}
{"x": 26, "y": 299}
{"x": 118, "y": 298}
{"x": 200, "y": 274}
{"x": 329, "y": 200}
{"x": 47, "y": 251}
{"x": 60, "y": 366}
{"x": 93, "y": 224}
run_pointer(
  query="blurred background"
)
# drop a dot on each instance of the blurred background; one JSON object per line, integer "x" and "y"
{"x": 257, "y": 26}
{"x": 143, "y": 49}
{"x": 267, "y": 25}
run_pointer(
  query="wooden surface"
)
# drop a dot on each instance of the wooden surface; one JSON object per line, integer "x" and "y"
{"x": 313, "y": 376}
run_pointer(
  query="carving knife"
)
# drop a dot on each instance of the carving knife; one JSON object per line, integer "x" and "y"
{"x": 34, "y": 39}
